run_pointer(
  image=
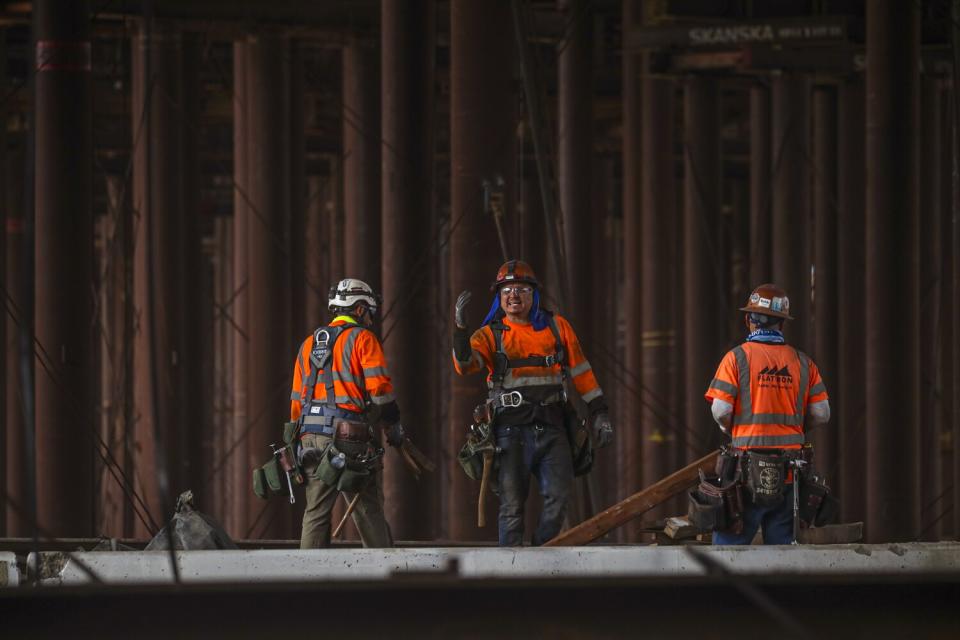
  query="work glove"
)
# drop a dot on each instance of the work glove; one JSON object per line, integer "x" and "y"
{"x": 462, "y": 300}
{"x": 602, "y": 430}
{"x": 395, "y": 434}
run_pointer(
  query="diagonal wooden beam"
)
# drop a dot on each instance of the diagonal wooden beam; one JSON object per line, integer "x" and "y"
{"x": 637, "y": 504}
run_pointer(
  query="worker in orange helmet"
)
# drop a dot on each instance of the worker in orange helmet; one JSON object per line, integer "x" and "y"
{"x": 526, "y": 351}
{"x": 342, "y": 399}
{"x": 762, "y": 394}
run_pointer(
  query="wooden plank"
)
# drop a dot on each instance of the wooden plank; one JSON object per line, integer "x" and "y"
{"x": 679, "y": 528}
{"x": 843, "y": 533}
{"x": 636, "y": 505}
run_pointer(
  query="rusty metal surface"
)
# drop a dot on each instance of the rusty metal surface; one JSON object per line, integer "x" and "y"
{"x": 893, "y": 46}
{"x": 63, "y": 263}
{"x": 761, "y": 197}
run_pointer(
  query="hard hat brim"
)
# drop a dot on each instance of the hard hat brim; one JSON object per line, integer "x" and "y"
{"x": 766, "y": 312}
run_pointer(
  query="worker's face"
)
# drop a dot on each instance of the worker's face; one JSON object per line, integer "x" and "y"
{"x": 517, "y": 299}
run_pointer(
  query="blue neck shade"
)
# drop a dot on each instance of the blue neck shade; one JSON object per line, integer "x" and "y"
{"x": 771, "y": 336}
{"x": 538, "y": 318}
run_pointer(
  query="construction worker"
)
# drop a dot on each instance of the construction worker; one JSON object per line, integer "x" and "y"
{"x": 343, "y": 393}
{"x": 762, "y": 394}
{"x": 527, "y": 351}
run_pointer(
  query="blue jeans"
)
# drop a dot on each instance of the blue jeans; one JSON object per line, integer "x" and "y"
{"x": 543, "y": 451}
{"x": 777, "y": 523}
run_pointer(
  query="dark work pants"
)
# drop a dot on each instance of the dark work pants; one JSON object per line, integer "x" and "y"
{"x": 777, "y": 523}
{"x": 544, "y": 452}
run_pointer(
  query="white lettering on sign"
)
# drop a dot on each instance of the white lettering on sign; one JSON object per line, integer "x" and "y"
{"x": 735, "y": 33}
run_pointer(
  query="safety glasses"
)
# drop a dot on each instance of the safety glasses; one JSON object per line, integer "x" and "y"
{"x": 518, "y": 289}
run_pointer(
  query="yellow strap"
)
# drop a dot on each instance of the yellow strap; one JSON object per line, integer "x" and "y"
{"x": 344, "y": 318}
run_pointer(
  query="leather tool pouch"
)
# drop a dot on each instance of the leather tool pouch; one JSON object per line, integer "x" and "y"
{"x": 766, "y": 473}
{"x": 727, "y": 464}
{"x": 471, "y": 461}
{"x": 716, "y": 506}
{"x": 581, "y": 446}
{"x": 818, "y": 506}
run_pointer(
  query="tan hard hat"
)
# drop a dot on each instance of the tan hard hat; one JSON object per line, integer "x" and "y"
{"x": 769, "y": 300}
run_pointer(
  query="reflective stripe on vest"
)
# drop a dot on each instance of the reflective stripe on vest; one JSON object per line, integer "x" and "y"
{"x": 746, "y": 416}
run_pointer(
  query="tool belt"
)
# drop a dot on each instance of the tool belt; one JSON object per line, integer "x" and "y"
{"x": 351, "y": 431}
{"x": 500, "y": 400}
{"x": 766, "y": 475}
{"x": 270, "y": 478}
{"x": 347, "y": 465}
{"x": 716, "y": 506}
{"x": 818, "y": 505}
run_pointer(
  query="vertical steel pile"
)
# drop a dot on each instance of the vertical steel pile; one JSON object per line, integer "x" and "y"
{"x": 482, "y": 124}
{"x": 269, "y": 358}
{"x": 657, "y": 333}
{"x": 64, "y": 267}
{"x": 629, "y": 442}
{"x": 789, "y": 253}
{"x": 761, "y": 198}
{"x": 928, "y": 462}
{"x": 407, "y": 91}
{"x": 575, "y": 159}
{"x": 361, "y": 163}
{"x": 704, "y": 300}
{"x": 848, "y": 398}
{"x": 893, "y": 49}
{"x": 825, "y": 302}
{"x": 158, "y": 285}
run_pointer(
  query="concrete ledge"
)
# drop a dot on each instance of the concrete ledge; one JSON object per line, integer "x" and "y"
{"x": 146, "y": 567}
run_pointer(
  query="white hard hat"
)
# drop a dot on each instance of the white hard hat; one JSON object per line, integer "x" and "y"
{"x": 349, "y": 292}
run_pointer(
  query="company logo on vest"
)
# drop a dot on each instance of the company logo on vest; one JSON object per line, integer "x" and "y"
{"x": 775, "y": 377}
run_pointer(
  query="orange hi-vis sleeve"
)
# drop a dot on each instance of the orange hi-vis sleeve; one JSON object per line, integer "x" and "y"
{"x": 359, "y": 372}
{"x": 522, "y": 341}
{"x": 770, "y": 387}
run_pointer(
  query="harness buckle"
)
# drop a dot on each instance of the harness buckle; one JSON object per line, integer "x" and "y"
{"x": 550, "y": 360}
{"x": 511, "y": 399}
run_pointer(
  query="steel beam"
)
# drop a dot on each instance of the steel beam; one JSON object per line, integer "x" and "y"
{"x": 268, "y": 251}
{"x": 703, "y": 281}
{"x": 790, "y": 252}
{"x": 361, "y": 163}
{"x": 629, "y": 442}
{"x": 575, "y": 157}
{"x": 658, "y": 426}
{"x": 761, "y": 196}
{"x": 237, "y": 453}
{"x": 158, "y": 286}
{"x": 826, "y": 309}
{"x": 850, "y": 406}
{"x": 64, "y": 267}
{"x": 482, "y": 125}
{"x": 893, "y": 49}
{"x": 927, "y": 456}
{"x": 407, "y": 50}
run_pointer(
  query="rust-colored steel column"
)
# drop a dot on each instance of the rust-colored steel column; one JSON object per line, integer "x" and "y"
{"x": 790, "y": 253}
{"x": 64, "y": 267}
{"x": 17, "y": 522}
{"x": 657, "y": 234}
{"x": 316, "y": 251}
{"x": 195, "y": 351}
{"x": 848, "y": 393}
{"x": 927, "y": 459}
{"x": 298, "y": 201}
{"x": 158, "y": 287}
{"x": 361, "y": 162}
{"x": 826, "y": 310}
{"x": 482, "y": 124}
{"x": 268, "y": 248}
{"x": 761, "y": 196}
{"x": 236, "y": 451}
{"x": 949, "y": 420}
{"x": 407, "y": 31}
{"x": 703, "y": 283}
{"x": 575, "y": 159}
{"x": 629, "y": 442}
{"x": 893, "y": 50}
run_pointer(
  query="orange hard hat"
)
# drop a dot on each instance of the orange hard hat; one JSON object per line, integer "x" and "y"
{"x": 515, "y": 271}
{"x": 769, "y": 300}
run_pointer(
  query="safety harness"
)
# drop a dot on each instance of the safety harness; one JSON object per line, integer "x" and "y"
{"x": 502, "y": 364}
{"x": 318, "y": 417}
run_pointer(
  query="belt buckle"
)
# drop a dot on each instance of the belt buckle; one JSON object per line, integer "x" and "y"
{"x": 511, "y": 400}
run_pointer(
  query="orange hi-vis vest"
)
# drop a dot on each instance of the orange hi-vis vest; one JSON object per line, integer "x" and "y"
{"x": 522, "y": 342}
{"x": 359, "y": 371}
{"x": 770, "y": 387}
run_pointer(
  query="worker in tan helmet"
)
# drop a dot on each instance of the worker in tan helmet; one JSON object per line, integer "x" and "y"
{"x": 526, "y": 352}
{"x": 763, "y": 393}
